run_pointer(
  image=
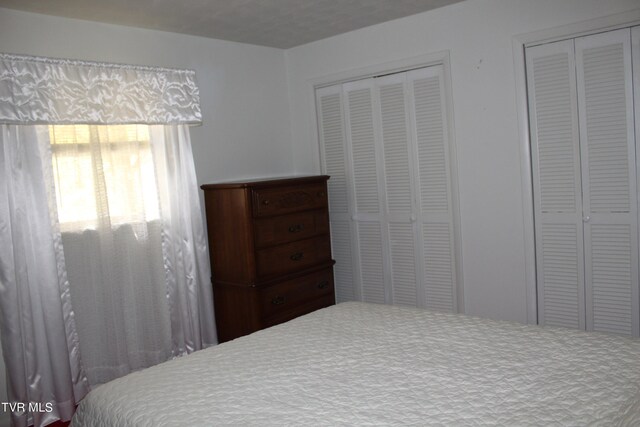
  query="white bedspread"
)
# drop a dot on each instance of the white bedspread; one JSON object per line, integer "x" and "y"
{"x": 362, "y": 364}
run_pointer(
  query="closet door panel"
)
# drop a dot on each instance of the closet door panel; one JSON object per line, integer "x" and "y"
{"x": 371, "y": 262}
{"x": 610, "y": 276}
{"x": 439, "y": 269}
{"x": 329, "y": 106}
{"x": 332, "y": 141}
{"x": 605, "y": 94}
{"x": 555, "y": 152}
{"x": 561, "y": 301}
{"x": 432, "y": 151}
{"x": 403, "y": 263}
{"x": 395, "y": 145}
{"x": 398, "y": 188}
{"x": 362, "y": 139}
{"x": 367, "y": 213}
{"x": 433, "y": 188}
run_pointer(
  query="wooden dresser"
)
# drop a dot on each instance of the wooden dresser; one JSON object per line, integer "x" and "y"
{"x": 270, "y": 251}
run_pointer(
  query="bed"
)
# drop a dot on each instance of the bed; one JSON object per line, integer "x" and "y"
{"x": 368, "y": 364}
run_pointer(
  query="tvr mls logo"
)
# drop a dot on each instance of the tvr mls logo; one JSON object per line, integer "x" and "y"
{"x": 21, "y": 407}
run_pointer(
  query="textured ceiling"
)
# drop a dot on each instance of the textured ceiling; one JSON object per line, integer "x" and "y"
{"x": 276, "y": 23}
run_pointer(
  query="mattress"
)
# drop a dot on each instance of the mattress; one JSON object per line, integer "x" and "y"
{"x": 367, "y": 364}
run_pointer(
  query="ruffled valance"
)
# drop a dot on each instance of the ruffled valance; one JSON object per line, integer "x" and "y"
{"x": 35, "y": 90}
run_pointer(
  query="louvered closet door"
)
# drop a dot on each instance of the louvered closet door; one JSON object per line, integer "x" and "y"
{"x": 335, "y": 157}
{"x": 397, "y": 192}
{"x": 555, "y": 153}
{"x": 433, "y": 189}
{"x": 362, "y": 141}
{"x": 605, "y": 95}
{"x": 393, "y": 219}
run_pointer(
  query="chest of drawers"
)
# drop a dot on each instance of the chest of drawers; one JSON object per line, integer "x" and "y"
{"x": 270, "y": 251}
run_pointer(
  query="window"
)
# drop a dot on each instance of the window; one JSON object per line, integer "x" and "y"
{"x": 104, "y": 175}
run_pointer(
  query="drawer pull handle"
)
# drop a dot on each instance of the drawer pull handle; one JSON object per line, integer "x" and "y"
{"x": 321, "y": 194}
{"x": 266, "y": 202}
{"x": 296, "y": 228}
{"x": 323, "y": 284}
{"x": 279, "y": 300}
{"x": 296, "y": 257}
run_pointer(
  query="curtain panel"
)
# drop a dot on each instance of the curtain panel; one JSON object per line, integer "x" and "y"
{"x": 42, "y": 270}
{"x": 36, "y": 90}
{"x": 39, "y": 339}
{"x": 184, "y": 241}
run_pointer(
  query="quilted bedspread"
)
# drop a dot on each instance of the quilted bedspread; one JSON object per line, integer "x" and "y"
{"x": 366, "y": 364}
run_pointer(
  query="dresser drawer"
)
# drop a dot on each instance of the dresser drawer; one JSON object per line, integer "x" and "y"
{"x": 292, "y": 257}
{"x": 282, "y": 200}
{"x": 301, "y": 310}
{"x": 288, "y": 297}
{"x": 287, "y": 228}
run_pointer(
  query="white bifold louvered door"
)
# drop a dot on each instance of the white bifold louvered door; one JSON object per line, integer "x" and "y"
{"x": 393, "y": 241}
{"x": 585, "y": 184}
{"x": 434, "y": 188}
{"x": 332, "y": 132}
{"x": 366, "y": 210}
{"x": 555, "y": 153}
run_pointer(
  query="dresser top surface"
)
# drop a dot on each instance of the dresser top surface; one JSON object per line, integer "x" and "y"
{"x": 267, "y": 182}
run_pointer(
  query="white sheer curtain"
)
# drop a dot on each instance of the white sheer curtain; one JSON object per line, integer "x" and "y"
{"x": 113, "y": 207}
{"x": 184, "y": 241}
{"x": 134, "y": 244}
{"x": 108, "y": 208}
{"x": 39, "y": 340}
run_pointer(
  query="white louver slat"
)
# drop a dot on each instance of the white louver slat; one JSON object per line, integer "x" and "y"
{"x": 555, "y": 127}
{"x": 606, "y": 128}
{"x": 403, "y": 264}
{"x": 435, "y": 216}
{"x": 331, "y": 127}
{"x": 395, "y": 142}
{"x": 438, "y": 273}
{"x": 371, "y": 262}
{"x": 561, "y": 276}
{"x": 611, "y": 277}
{"x": 557, "y": 191}
{"x": 605, "y": 95}
{"x": 432, "y": 147}
{"x": 361, "y": 133}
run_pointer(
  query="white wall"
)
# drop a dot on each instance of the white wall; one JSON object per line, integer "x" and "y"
{"x": 243, "y": 89}
{"x": 478, "y": 34}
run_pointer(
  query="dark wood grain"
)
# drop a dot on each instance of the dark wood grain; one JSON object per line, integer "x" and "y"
{"x": 290, "y": 257}
{"x": 286, "y": 228}
{"x": 230, "y": 232}
{"x": 289, "y": 295}
{"x": 270, "y": 251}
{"x": 284, "y": 199}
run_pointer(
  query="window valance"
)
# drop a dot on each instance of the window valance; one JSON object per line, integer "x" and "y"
{"x": 58, "y": 91}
